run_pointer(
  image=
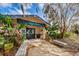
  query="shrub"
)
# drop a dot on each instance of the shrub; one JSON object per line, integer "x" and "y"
{"x": 8, "y": 46}
{"x": 68, "y": 34}
{"x": 1, "y": 41}
{"x": 53, "y": 30}
{"x": 55, "y": 34}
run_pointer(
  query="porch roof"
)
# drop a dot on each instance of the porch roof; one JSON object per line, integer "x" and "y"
{"x": 21, "y": 16}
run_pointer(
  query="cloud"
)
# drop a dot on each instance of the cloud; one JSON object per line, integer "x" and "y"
{"x": 14, "y": 10}
{"x": 41, "y": 5}
{"x": 5, "y": 5}
{"x": 13, "y": 13}
{"x": 28, "y": 13}
{"x": 18, "y": 12}
{"x": 27, "y": 5}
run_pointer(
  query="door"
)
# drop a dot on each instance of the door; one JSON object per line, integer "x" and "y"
{"x": 30, "y": 33}
{"x": 23, "y": 31}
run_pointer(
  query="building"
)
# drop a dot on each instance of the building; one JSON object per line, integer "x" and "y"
{"x": 35, "y": 26}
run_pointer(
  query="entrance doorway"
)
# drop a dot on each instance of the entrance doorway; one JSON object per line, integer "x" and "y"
{"x": 30, "y": 33}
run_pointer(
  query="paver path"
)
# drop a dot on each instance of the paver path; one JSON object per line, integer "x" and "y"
{"x": 44, "y": 48}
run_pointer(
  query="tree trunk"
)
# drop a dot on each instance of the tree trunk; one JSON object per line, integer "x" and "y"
{"x": 63, "y": 28}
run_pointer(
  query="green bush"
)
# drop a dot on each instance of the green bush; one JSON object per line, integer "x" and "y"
{"x": 1, "y": 41}
{"x": 9, "y": 38}
{"x": 55, "y": 34}
{"x": 8, "y": 46}
{"x": 68, "y": 34}
{"x": 53, "y": 30}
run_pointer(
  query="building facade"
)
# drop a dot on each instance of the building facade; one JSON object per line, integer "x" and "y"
{"x": 35, "y": 26}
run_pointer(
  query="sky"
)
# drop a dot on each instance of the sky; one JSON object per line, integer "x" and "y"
{"x": 15, "y": 9}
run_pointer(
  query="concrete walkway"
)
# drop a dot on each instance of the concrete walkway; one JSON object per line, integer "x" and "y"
{"x": 22, "y": 49}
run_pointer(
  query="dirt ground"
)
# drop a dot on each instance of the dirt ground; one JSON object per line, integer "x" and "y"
{"x": 39, "y": 47}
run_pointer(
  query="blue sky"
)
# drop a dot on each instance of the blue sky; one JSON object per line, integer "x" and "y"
{"x": 9, "y": 8}
{"x": 15, "y": 9}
